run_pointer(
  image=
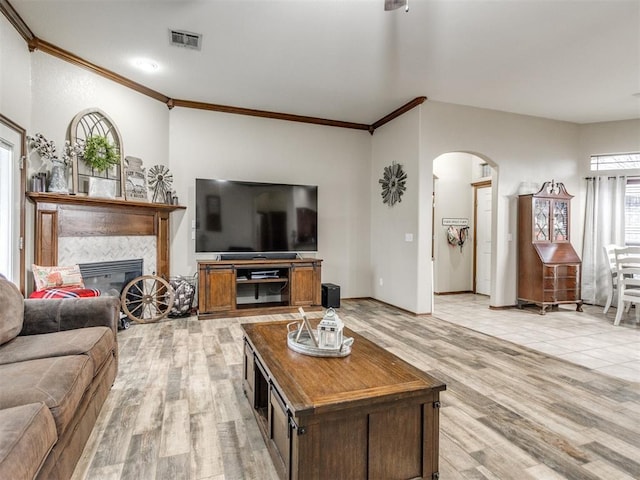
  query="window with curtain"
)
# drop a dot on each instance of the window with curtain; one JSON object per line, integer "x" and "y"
{"x": 625, "y": 161}
{"x": 632, "y": 212}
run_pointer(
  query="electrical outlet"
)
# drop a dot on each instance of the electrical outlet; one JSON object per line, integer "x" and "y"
{"x": 381, "y": 281}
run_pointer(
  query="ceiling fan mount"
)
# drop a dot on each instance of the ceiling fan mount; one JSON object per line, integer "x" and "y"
{"x": 395, "y": 4}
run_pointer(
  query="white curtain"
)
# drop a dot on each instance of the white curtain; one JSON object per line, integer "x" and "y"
{"x": 603, "y": 225}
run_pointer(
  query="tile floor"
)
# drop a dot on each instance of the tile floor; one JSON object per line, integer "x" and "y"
{"x": 586, "y": 338}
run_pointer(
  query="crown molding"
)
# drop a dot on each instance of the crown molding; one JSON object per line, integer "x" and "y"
{"x": 268, "y": 114}
{"x": 16, "y": 20}
{"x": 35, "y": 43}
{"x": 46, "y": 47}
{"x": 397, "y": 112}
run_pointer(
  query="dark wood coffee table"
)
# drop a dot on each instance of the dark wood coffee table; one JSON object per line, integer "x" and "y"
{"x": 369, "y": 415}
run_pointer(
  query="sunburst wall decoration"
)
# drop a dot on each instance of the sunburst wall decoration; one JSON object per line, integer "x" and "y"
{"x": 393, "y": 184}
{"x": 160, "y": 180}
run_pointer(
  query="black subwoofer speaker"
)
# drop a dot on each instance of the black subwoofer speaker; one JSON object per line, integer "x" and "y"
{"x": 330, "y": 295}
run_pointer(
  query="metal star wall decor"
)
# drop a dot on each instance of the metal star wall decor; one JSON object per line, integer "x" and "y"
{"x": 393, "y": 184}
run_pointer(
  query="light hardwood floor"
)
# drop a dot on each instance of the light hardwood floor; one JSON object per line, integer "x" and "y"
{"x": 177, "y": 410}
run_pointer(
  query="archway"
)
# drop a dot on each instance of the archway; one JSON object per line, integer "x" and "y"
{"x": 463, "y": 228}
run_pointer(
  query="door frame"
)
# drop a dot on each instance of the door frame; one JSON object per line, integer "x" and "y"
{"x": 22, "y": 133}
{"x": 476, "y": 186}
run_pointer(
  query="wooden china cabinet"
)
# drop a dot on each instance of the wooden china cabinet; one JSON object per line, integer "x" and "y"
{"x": 549, "y": 269}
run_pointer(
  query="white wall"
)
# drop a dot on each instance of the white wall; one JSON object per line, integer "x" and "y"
{"x": 395, "y": 262}
{"x": 608, "y": 137}
{"x": 601, "y": 138}
{"x": 60, "y": 90}
{"x": 15, "y": 75}
{"x": 233, "y": 147}
{"x": 453, "y": 266}
{"x": 522, "y": 149}
{"x": 519, "y": 148}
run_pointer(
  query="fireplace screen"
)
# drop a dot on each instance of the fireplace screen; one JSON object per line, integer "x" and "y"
{"x": 112, "y": 276}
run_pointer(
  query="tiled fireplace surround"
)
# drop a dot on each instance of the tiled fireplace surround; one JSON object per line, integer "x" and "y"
{"x": 72, "y": 250}
{"x": 78, "y": 229}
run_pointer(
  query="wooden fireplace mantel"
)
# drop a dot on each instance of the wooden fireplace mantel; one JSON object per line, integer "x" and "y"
{"x": 60, "y": 215}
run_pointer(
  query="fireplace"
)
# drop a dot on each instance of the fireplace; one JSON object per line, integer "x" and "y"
{"x": 68, "y": 225}
{"x": 110, "y": 275}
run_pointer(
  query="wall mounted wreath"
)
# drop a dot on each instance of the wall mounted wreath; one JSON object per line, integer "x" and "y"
{"x": 393, "y": 184}
{"x": 99, "y": 154}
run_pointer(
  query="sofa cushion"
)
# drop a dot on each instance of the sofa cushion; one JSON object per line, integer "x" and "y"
{"x": 96, "y": 342}
{"x": 12, "y": 311}
{"x": 27, "y": 435}
{"x": 59, "y": 382}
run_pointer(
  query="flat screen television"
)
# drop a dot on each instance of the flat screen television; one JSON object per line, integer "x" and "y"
{"x": 249, "y": 217}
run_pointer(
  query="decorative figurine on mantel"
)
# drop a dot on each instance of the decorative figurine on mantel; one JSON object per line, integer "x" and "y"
{"x": 135, "y": 186}
{"x": 160, "y": 180}
{"x": 46, "y": 149}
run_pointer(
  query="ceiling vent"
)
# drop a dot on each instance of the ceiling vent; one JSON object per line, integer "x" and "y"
{"x": 185, "y": 39}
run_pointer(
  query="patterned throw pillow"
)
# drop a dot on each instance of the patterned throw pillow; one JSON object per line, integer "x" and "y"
{"x": 47, "y": 277}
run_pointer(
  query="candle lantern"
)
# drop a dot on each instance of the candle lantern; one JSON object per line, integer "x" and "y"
{"x": 330, "y": 330}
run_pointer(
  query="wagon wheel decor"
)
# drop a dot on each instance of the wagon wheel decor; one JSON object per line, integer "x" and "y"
{"x": 160, "y": 180}
{"x": 393, "y": 184}
{"x": 147, "y": 299}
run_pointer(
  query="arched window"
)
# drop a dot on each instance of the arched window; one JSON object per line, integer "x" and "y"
{"x": 86, "y": 124}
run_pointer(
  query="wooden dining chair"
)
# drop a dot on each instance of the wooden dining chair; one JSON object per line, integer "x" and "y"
{"x": 628, "y": 277}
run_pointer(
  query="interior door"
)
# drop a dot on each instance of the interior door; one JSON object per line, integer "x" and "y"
{"x": 483, "y": 240}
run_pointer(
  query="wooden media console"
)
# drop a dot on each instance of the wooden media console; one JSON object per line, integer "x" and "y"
{"x": 258, "y": 286}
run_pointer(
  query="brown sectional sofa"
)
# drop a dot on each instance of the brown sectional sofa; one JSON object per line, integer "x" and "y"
{"x": 58, "y": 361}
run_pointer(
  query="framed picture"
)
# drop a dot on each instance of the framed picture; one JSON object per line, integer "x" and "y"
{"x": 214, "y": 222}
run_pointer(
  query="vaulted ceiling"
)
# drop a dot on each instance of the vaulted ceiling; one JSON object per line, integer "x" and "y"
{"x": 349, "y": 60}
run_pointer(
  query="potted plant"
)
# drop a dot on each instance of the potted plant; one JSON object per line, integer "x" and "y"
{"x": 99, "y": 154}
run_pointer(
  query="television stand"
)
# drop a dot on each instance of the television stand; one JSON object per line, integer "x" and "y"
{"x": 260, "y": 286}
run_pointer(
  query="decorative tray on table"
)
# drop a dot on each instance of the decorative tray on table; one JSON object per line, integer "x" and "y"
{"x": 303, "y": 339}
{"x": 304, "y": 344}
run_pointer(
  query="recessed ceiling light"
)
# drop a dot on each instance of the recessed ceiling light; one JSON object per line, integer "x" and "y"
{"x": 145, "y": 64}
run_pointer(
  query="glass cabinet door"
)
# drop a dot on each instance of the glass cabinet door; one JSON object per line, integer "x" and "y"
{"x": 560, "y": 221}
{"x": 541, "y": 220}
